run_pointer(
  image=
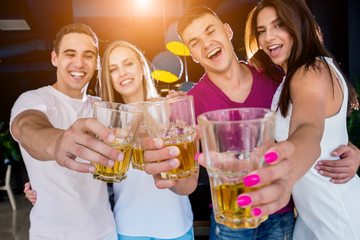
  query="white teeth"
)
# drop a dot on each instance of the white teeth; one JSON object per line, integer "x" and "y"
{"x": 213, "y": 52}
{"x": 126, "y": 82}
{"x": 274, "y": 46}
{"x": 77, "y": 74}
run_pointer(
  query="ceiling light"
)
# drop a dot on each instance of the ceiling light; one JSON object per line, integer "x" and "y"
{"x": 14, "y": 25}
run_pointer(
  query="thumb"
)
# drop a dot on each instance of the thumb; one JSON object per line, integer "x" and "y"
{"x": 340, "y": 150}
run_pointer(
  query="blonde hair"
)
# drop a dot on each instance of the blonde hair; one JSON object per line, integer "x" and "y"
{"x": 107, "y": 92}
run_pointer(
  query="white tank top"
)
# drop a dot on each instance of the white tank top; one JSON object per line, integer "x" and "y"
{"x": 326, "y": 210}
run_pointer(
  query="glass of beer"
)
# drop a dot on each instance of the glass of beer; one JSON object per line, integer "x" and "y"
{"x": 173, "y": 120}
{"x": 124, "y": 121}
{"x": 234, "y": 142}
{"x": 138, "y": 161}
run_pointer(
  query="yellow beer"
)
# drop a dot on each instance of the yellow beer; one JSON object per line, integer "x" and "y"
{"x": 138, "y": 159}
{"x": 188, "y": 165}
{"x": 228, "y": 212}
{"x": 116, "y": 173}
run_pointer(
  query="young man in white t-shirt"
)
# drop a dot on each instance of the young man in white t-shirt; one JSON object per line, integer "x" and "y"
{"x": 51, "y": 125}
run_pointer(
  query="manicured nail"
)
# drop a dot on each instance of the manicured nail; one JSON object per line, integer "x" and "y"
{"x": 157, "y": 143}
{"x": 196, "y": 156}
{"x": 210, "y": 205}
{"x": 174, "y": 151}
{"x": 317, "y": 167}
{"x": 321, "y": 172}
{"x": 111, "y": 138}
{"x": 251, "y": 180}
{"x": 259, "y": 71}
{"x": 92, "y": 169}
{"x": 320, "y": 163}
{"x": 110, "y": 163}
{"x": 256, "y": 212}
{"x": 120, "y": 156}
{"x": 271, "y": 157}
{"x": 174, "y": 162}
{"x": 243, "y": 201}
{"x": 251, "y": 65}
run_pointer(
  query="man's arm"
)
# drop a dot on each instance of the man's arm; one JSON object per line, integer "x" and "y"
{"x": 43, "y": 141}
{"x": 344, "y": 169}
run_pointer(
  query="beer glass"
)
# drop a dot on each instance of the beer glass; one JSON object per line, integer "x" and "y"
{"x": 234, "y": 142}
{"x": 138, "y": 161}
{"x": 124, "y": 121}
{"x": 173, "y": 120}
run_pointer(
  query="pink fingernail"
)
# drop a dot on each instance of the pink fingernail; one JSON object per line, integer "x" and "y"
{"x": 174, "y": 162}
{"x": 271, "y": 157}
{"x": 111, "y": 138}
{"x": 92, "y": 169}
{"x": 110, "y": 163}
{"x": 251, "y": 180}
{"x": 210, "y": 205}
{"x": 259, "y": 71}
{"x": 157, "y": 143}
{"x": 243, "y": 201}
{"x": 256, "y": 212}
{"x": 196, "y": 156}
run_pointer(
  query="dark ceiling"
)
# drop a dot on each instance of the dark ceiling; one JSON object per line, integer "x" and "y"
{"x": 25, "y": 54}
{"x": 141, "y": 22}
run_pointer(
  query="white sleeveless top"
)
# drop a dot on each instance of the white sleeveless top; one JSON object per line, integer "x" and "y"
{"x": 326, "y": 210}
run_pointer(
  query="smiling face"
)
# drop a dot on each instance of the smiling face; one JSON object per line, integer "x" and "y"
{"x": 208, "y": 40}
{"x": 126, "y": 74}
{"x": 76, "y": 63}
{"x": 273, "y": 37}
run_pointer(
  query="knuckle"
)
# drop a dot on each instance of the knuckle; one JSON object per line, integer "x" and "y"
{"x": 79, "y": 151}
{"x": 87, "y": 122}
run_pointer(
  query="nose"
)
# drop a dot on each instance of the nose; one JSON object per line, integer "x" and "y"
{"x": 270, "y": 35}
{"x": 122, "y": 71}
{"x": 79, "y": 61}
{"x": 205, "y": 42}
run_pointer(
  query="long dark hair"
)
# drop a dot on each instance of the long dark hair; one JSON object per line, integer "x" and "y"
{"x": 308, "y": 45}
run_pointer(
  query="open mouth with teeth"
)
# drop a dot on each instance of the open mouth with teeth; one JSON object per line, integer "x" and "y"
{"x": 214, "y": 53}
{"x": 77, "y": 74}
{"x": 127, "y": 81}
{"x": 275, "y": 49}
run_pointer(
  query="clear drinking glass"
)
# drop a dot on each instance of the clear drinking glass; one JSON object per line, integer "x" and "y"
{"x": 173, "y": 120}
{"x": 124, "y": 121}
{"x": 234, "y": 142}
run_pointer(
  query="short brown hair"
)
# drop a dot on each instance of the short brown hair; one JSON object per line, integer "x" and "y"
{"x": 190, "y": 15}
{"x": 74, "y": 28}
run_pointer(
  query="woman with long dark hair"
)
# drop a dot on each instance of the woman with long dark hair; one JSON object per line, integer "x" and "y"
{"x": 312, "y": 104}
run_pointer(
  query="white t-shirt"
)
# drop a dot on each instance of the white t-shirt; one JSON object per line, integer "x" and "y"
{"x": 141, "y": 209}
{"x": 70, "y": 205}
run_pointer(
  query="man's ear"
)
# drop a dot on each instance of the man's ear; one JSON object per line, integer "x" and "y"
{"x": 228, "y": 30}
{"x": 54, "y": 58}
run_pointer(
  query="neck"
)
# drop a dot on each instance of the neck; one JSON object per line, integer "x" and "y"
{"x": 137, "y": 97}
{"x": 73, "y": 93}
{"x": 234, "y": 74}
{"x": 284, "y": 67}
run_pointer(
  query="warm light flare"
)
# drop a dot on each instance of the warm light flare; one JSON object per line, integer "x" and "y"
{"x": 142, "y": 3}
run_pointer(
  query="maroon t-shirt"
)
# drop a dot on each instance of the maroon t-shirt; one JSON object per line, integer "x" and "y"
{"x": 208, "y": 97}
